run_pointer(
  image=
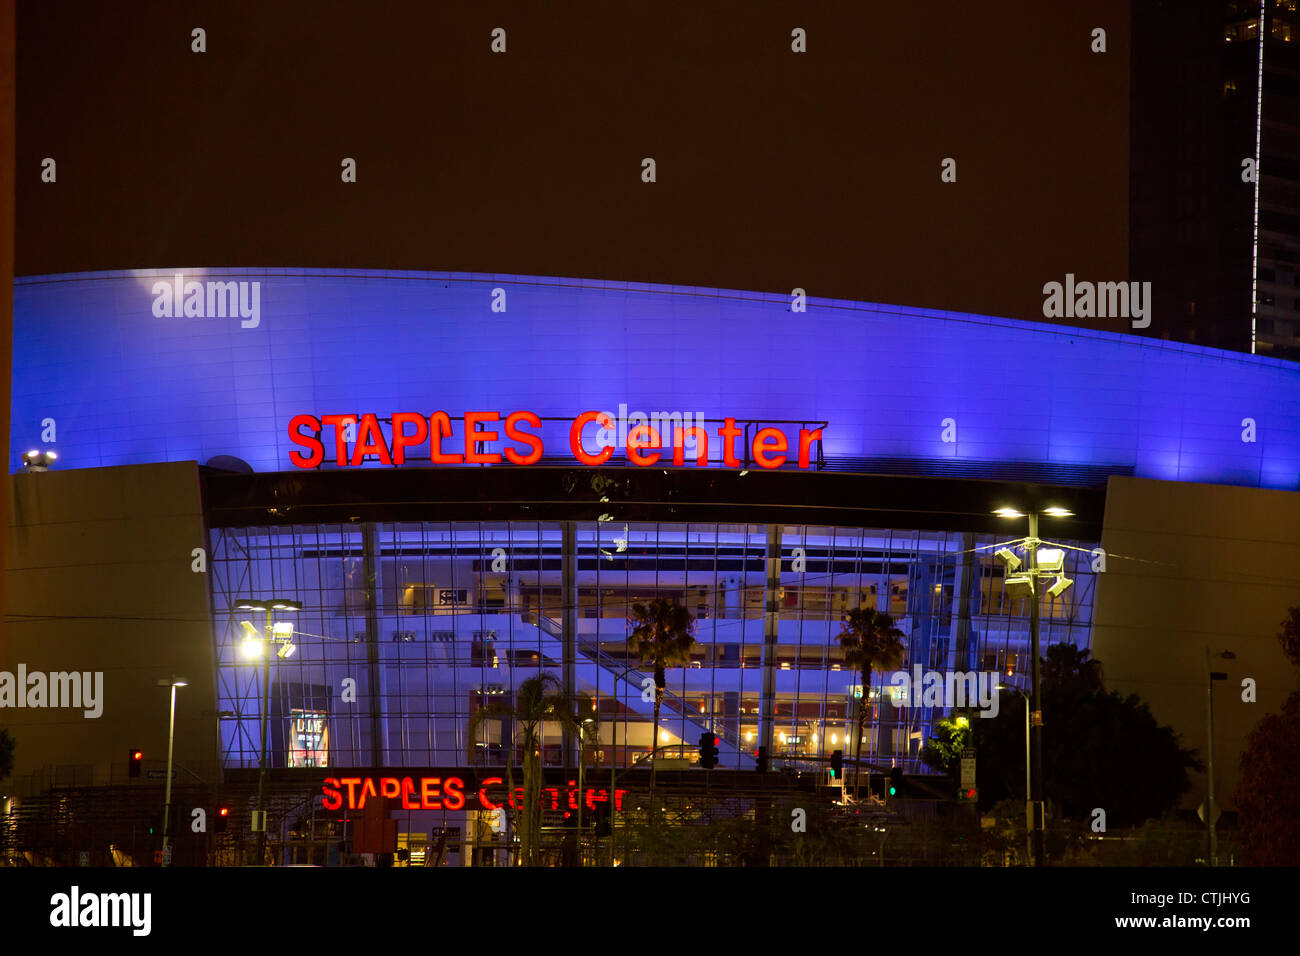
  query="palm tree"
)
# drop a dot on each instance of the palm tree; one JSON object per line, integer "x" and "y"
{"x": 662, "y": 636}
{"x": 871, "y": 642}
{"x": 538, "y": 700}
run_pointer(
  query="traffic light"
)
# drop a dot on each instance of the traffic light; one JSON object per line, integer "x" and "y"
{"x": 837, "y": 764}
{"x": 968, "y": 795}
{"x": 760, "y": 755}
{"x": 896, "y": 781}
{"x": 223, "y": 819}
{"x": 709, "y": 751}
{"x": 134, "y": 759}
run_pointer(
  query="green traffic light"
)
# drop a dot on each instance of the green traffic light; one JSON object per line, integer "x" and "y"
{"x": 893, "y": 791}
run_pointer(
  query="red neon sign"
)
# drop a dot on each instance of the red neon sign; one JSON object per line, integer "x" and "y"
{"x": 519, "y": 443}
{"x": 448, "y": 793}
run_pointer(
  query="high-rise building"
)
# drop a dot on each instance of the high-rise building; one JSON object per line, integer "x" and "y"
{"x": 1209, "y": 234}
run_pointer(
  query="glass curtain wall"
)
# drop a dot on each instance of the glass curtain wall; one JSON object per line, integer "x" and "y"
{"x": 407, "y": 629}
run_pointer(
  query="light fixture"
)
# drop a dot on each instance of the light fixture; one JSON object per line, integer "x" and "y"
{"x": 251, "y": 633}
{"x": 251, "y": 649}
{"x": 262, "y": 604}
{"x": 835, "y": 738}
{"x": 37, "y": 460}
{"x": 282, "y": 629}
{"x": 1008, "y": 557}
{"x": 1008, "y": 512}
{"x": 1051, "y": 560}
{"x": 1019, "y": 586}
{"x": 286, "y": 650}
{"x": 1059, "y": 585}
{"x": 1058, "y": 512}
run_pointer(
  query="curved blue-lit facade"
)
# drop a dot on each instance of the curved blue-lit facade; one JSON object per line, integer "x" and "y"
{"x": 434, "y": 593}
{"x": 126, "y": 378}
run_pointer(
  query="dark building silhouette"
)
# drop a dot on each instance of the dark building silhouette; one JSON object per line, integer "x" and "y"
{"x": 1195, "y": 114}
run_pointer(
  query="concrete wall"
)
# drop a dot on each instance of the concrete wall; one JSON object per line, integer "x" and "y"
{"x": 1191, "y": 566}
{"x": 99, "y": 579}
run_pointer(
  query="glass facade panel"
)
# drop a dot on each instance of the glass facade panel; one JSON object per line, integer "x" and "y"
{"x": 407, "y": 629}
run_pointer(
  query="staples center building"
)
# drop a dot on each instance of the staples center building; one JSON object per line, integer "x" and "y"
{"x": 466, "y": 480}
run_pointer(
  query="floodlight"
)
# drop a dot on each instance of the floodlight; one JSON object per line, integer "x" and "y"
{"x": 286, "y": 650}
{"x": 1019, "y": 586}
{"x": 1051, "y": 560}
{"x": 1008, "y": 557}
{"x": 251, "y": 633}
{"x": 1058, "y": 512}
{"x": 282, "y": 629}
{"x": 250, "y": 604}
{"x": 1008, "y": 512}
{"x": 251, "y": 649}
{"x": 1058, "y": 587}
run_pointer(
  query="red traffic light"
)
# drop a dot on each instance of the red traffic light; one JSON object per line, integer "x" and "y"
{"x": 137, "y": 755}
{"x": 224, "y": 811}
{"x": 717, "y": 741}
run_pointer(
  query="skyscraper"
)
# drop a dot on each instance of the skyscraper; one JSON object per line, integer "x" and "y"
{"x": 1215, "y": 189}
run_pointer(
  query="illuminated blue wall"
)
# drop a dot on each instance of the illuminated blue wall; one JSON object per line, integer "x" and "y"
{"x": 125, "y": 386}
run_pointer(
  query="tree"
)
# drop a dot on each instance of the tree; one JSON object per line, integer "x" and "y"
{"x": 1268, "y": 790}
{"x": 949, "y": 739}
{"x": 871, "y": 642}
{"x": 537, "y": 701}
{"x": 662, "y": 636}
{"x": 1100, "y": 749}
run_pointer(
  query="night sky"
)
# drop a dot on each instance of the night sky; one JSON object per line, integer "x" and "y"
{"x": 775, "y": 169}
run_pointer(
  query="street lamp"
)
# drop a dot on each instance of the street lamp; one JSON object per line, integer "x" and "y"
{"x": 272, "y": 636}
{"x": 173, "y": 682}
{"x": 1026, "y": 584}
{"x": 1211, "y": 811}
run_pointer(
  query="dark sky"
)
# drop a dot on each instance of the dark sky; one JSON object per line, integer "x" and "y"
{"x": 775, "y": 170}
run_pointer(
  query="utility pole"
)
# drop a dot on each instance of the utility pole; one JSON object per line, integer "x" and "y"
{"x": 1036, "y": 718}
{"x": 261, "y": 766}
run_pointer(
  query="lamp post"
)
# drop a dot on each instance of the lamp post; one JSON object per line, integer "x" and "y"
{"x": 1027, "y": 585}
{"x": 251, "y": 648}
{"x": 1210, "y": 809}
{"x": 174, "y": 682}
{"x": 1029, "y": 806}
